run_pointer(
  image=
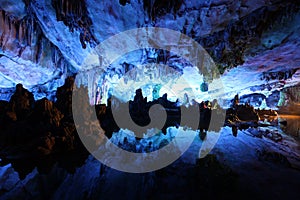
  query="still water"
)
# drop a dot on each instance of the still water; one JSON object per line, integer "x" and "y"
{"x": 292, "y": 126}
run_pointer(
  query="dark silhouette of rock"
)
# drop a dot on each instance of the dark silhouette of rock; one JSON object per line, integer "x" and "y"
{"x": 205, "y": 117}
{"x": 274, "y": 157}
{"x": 235, "y": 101}
{"x": 64, "y": 97}
{"x": 124, "y": 2}
{"x": 45, "y": 112}
{"x": 283, "y": 122}
{"x": 35, "y": 129}
{"x": 246, "y": 113}
{"x": 241, "y": 116}
{"x": 20, "y": 103}
{"x": 139, "y": 109}
{"x": 234, "y": 131}
{"x": 3, "y": 108}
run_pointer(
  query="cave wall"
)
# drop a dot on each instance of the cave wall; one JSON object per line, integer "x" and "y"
{"x": 289, "y": 102}
{"x": 28, "y": 57}
{"x": 44, "y": 41}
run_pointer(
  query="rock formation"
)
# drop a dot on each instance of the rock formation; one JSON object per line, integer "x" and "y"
{"x": 39, "y": 127}
{"x": 254, "y": 44}
{"x": 52, "y": 39}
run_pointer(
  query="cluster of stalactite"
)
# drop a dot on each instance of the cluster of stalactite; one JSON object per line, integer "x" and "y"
{"x": 24, "y": 38}
{"x": 74, "y": 15}
{"x": 24, "y": 31}
{"x": 278, "y": 75}
{"x": 229, "y": 46}
{"x": 17, "y": 34}
{"x": 157, "y": 8}
{"x": 293, "y": 94}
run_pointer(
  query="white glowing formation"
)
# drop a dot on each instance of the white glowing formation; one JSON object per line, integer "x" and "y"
{"x": 159, "y": 78}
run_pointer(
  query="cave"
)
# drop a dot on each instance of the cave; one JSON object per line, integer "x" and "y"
{"x": 149, "y": 99}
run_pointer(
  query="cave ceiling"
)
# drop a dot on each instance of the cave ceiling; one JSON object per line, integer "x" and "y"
{"x": 255, "y": 44}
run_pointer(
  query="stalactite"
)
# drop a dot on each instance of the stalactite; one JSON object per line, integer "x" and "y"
{"x": 23, "y": 38}
{"x": 278, "y": 75}
{"x": 157, "y": 8}
{"x": 74, "y": 15}
{"x": 293, "y": 94}
{"x": 229, "y": 51}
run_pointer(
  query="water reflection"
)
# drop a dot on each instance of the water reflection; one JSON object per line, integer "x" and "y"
{"x": 290, "y": 124}
{"x": 69, "y": 161}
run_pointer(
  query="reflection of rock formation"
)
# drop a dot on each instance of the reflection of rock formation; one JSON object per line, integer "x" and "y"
{"x": 32, "y": 129}
{"x": 239, "y": 116}
{"x": 44, "y": 41}
{"x": 48, "y": 130}
{"x": 85, "y": 119}
{"x": 290, "y": 124}
{"x": 43, "y": 127}
{"x": 244, "y": 116}
{"x": 138, "y": 109}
